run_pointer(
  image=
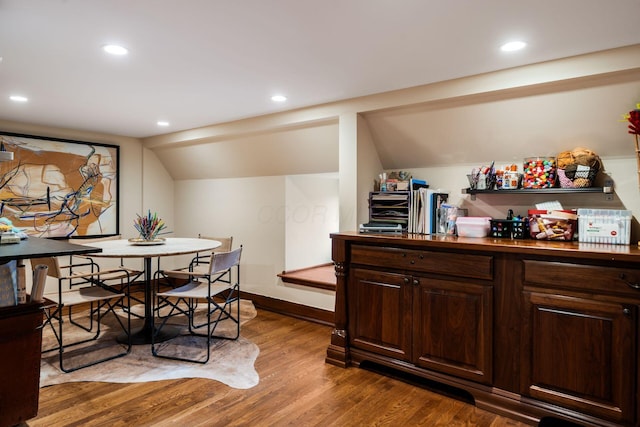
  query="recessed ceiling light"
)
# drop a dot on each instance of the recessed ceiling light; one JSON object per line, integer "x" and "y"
{"x": 162, "y": 123}
{"x": 114, "y": 49}
{"x": 512, "y": 46}
{"x": 278, "y": 98}
{"x": 18, "y": 98}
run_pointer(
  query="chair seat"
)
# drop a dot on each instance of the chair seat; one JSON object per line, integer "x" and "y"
{"x": 83, "y": 295}
{"x": 196, "y": 290}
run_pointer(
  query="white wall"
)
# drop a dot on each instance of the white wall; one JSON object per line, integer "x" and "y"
{"x": 255, "y": 212}
{"x": 157, "y": 190}
{"x": 311, "y": 213}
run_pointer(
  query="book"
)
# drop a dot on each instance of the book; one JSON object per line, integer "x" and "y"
{"x": 415, "y": 184}
{"x": 424, "y": 208}
{"x": 9, "y": 284}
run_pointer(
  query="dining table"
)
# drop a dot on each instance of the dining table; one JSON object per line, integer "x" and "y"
{"x": 150, "y": 250}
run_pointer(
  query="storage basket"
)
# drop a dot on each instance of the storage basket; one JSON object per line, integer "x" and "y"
{"x": 510, "y": 228}
{"x": 578, "y": 168}
{"x": 553, "y": 225}
{"x": 578, "y": 176}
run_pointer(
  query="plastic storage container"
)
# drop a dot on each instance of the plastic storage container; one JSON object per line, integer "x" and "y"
{"x": 553, "y": 225}
{"x": 609, "y": 226}
{"x": 473, "y": 226}
{"x": 539, "y": 172}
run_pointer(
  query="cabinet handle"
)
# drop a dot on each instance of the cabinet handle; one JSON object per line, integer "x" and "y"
{"x": 416, "y": 282}
{"x": 631, "y": 285}
{"x": 626, "y": 312}
{"x": 406, "y": 280}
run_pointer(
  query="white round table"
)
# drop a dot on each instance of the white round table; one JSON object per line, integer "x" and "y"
{"x": 124, "y": 248}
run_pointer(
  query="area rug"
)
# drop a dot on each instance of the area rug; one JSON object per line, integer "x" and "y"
{"x": 231, "y": 362}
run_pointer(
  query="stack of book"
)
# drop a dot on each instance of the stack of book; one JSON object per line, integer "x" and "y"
{"x": 424, "y": 207}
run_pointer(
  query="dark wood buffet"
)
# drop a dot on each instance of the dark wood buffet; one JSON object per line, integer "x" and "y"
{"x": 530, "y": 329}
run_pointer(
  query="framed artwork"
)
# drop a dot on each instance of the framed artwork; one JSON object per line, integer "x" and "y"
{"x": 60, "y": 188}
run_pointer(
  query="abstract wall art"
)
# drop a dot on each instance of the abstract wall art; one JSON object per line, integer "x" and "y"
{"x": 59, "y": 188}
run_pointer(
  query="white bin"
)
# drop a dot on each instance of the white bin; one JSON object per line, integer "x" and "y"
{"x": 604, "y": 226}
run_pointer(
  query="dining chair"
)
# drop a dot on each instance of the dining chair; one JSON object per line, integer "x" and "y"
{"x": 218, "y": 288}
{"x": 134, "y": 273}
{"x": 93, "y": 293}
{"x": 198, "y": 263}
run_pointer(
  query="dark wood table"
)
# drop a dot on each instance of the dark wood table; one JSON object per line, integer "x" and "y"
{"x": 36, "y": 247}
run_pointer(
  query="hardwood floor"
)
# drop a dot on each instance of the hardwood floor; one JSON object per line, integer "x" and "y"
{"x": 296, "y": 388}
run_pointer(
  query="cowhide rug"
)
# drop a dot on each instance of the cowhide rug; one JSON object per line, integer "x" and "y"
{"x": 231, "y": 362}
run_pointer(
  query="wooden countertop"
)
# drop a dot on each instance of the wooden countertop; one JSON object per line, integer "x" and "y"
{"x": 626, "y": 253}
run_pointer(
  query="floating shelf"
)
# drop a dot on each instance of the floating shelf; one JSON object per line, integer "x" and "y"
{"x": 602, "y": 190}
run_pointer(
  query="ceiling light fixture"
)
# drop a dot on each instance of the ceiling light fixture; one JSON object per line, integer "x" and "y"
{"x": 114, "y": 49}
{"x": 18, "y": 98}
{"x": 278, "y": 98}
{"x": 162, "y": 123}
{"x": 512, "y": 46}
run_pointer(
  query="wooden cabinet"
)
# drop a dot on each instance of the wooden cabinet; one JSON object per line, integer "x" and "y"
{"x": 20, "y": 340}
{"x": 380, "y": 307}
{"x": 579, "y": 353}
{"x": 579, "y": 340}
{"x": 452, "y": 328}
{"x": 437, "y": 324}
{"x": 21, "y": 336}
{"x": 439, "y": 321}
{"x": 529, "y": 329}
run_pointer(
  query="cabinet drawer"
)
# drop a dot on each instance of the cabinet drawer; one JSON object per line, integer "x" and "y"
{"x": 589, "y": 278}
{"x": 451, "y": 264}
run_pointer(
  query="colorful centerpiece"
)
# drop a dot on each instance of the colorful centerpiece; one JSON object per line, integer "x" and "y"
{"x": 149, "y": 226}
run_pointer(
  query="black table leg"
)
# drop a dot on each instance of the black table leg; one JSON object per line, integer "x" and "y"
{"x": 143, "y": 335}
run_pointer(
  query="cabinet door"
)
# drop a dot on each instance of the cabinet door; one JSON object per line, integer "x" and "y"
{"x": 380, "y": 313}
{"x": 453, "y": 323}
{"x": 579, "y": 353}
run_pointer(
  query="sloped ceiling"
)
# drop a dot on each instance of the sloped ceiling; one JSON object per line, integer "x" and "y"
{"x": 284, "y": 152}
{"x": 508, "y": 127}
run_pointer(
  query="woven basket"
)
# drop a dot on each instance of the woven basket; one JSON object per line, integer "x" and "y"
{"x": 573, "y": 178}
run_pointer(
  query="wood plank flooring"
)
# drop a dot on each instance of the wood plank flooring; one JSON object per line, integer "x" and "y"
{"x": 296, "y": 388}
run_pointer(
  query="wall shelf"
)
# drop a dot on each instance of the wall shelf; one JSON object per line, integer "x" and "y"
{"x": 607, "y": 191}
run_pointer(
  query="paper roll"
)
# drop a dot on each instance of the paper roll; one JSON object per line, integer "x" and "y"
{"x": 39, "y": 281}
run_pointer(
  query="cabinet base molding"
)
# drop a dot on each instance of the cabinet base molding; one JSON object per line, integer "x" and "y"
{"x": 498, "y": 401}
